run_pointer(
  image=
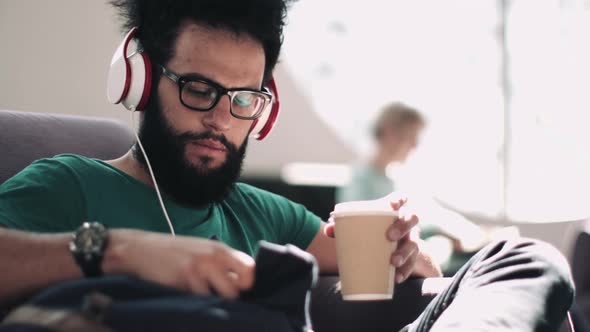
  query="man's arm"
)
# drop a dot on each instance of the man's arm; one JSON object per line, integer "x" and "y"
{"x": 323, "y": 248}
{"x": 30, "y": 262}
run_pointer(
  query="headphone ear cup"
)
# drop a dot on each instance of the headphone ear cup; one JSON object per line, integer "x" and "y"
{"x": 140, "y": 82}
{"x": 130, "y": 77}
{"x": 147, "y": 84}
{"x": 262, "y": 126}
{"x": 119, "y": 72}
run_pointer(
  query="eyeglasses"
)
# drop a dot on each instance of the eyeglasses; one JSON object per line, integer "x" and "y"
{"x": 201, "y": 94}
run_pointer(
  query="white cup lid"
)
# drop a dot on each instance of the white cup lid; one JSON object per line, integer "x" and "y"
{"x": 379, "y": 207}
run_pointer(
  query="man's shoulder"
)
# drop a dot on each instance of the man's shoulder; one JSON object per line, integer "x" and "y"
{"x": 48, "y": 195}
{"x": 251, "y": 197}
{"x": 72, "y": 159}
{"x": 243, "y": 193}
{"x": 66, "y": 159}
{"x": 66, "y": 163}
{"x": 70, "y": 168}
{"x": 241, "y": 190}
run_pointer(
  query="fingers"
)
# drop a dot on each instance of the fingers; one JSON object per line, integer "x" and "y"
{"x": 223, "y": 282}
{"x": 241, "y": 265}
{"x": 405, "y": 232}
{"x": 405, "y": 256}
{"x": 426, "y": 266}
{"x": 406, "y": 262}
{"x": 223, "y": 270}
{"x": 397, "y": 200}
{"x": 402, "y": 226}
{"x": 196, "y": 283}
{"x": 329, "y": 229}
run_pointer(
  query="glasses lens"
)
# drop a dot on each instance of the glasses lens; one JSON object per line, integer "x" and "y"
{"x": 199, "y": 94}
{"x": 248, "y": 103}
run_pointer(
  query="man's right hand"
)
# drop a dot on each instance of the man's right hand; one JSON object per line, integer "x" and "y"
{"x": 197, "y": 265}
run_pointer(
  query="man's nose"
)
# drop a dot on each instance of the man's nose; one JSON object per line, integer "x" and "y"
{"x": 219, "y": 117}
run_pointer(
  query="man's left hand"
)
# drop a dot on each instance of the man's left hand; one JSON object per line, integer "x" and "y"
{"x": 407, "y": 258}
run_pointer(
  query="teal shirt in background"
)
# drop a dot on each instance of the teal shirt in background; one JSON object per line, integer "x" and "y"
{"x": 57, "y": 194}
{"x": 366, "y": 183}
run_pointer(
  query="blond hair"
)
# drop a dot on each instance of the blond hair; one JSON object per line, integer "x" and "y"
{"x": 396, "y": 115}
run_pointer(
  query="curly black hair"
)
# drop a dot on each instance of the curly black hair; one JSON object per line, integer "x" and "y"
{"x": 158, "y": 22}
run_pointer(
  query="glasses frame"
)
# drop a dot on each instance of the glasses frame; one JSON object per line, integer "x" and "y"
{"x": 181, "y": 81}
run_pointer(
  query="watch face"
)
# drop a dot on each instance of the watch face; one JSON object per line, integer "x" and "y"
{"x": 90, "y": 238}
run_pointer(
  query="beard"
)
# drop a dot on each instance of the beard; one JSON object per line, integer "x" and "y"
{"x": 187, "y": 184}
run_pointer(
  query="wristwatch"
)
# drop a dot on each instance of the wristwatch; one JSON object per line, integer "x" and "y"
{"x": 88, "y": 245}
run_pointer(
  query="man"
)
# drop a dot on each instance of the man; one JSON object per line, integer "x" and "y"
{"x": 196, "y": 153}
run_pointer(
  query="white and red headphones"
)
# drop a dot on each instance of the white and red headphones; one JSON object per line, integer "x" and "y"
{"x": 130, "y": 82}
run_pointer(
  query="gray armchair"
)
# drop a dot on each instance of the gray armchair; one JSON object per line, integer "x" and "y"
{"x": 25, "y": 137}
{"x": 581, "y": 275}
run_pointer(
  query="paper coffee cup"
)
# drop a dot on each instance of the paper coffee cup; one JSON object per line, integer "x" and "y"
{"x": 363, "y": 250}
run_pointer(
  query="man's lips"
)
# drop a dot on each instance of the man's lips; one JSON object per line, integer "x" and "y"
{"x": 211, "y": 144}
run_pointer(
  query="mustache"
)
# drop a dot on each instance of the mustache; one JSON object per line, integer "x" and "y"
{"x": 188, "y": 137}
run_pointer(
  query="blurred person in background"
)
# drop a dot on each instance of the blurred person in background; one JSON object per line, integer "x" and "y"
{"x": 396, "y": 134}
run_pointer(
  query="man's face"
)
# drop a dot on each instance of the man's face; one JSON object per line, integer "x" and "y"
{"x": 197, "y": 156}
{"x": 229, "y": 60}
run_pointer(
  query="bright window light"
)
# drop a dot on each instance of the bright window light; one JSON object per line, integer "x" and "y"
{"x": 316, "y": 174}
{"x": 501, "y": 141}
{"x": 441, "y": 57}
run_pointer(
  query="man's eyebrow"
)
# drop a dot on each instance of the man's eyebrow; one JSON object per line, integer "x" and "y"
{"x": 195, "y": 75}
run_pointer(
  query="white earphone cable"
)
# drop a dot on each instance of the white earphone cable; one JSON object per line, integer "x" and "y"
{"x": 151, "y": 172}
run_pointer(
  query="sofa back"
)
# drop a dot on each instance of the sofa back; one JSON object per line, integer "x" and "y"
{"x": 26, "y": 137}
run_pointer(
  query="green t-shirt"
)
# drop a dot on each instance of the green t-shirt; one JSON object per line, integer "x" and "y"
{"x": 58, "y": 194}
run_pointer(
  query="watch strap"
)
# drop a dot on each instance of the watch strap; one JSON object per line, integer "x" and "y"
{"x": 89, "y": 264}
